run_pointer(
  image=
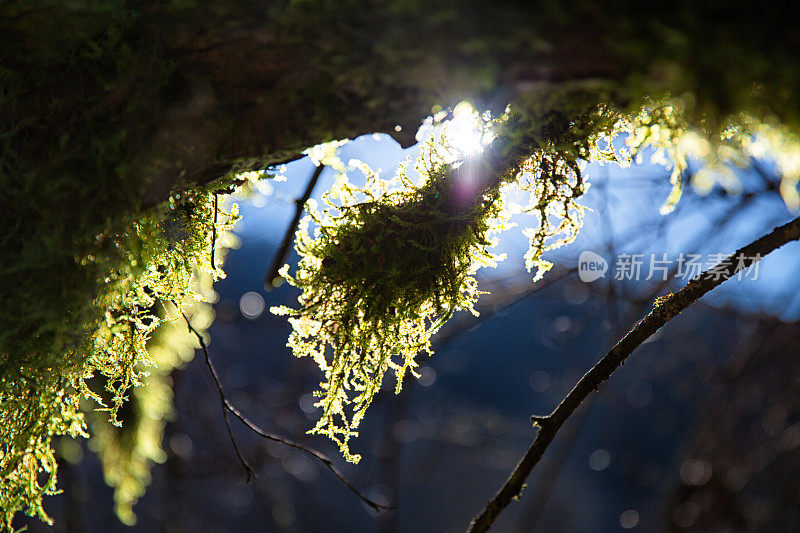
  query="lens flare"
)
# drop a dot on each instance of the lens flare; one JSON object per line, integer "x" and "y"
{"x": 467, "y": 131}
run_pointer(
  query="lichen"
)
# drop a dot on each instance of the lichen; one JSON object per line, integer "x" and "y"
{"x": 157, "y": 259}
{"x": 387, "y": 265}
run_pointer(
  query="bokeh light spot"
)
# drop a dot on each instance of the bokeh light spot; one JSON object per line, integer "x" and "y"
{"x": 251, "y": 304}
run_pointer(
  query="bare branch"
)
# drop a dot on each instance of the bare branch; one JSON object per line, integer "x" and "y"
{"x": 280, "y": 256}
{"x": 228, "y": 407}
{"x": 222, "y": 399}
{"x": 664, "y": 311}
{"x": 214, "y": 231}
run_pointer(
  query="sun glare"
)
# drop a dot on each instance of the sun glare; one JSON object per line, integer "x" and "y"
{"x": 467, "y": 131}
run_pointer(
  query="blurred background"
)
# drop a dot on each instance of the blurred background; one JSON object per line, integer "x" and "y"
{"x": 699, "y": 431}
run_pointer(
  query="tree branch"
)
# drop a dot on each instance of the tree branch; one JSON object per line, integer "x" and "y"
{"x": 288, "y": 238}
{"x": 228, "y": 407}
{"x": 664, "y": 311}
{"x": 214, "y": 232}
{"x": 222, "y": 399}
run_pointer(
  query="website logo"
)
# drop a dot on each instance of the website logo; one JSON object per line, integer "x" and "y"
{"x": 591, "y": 266}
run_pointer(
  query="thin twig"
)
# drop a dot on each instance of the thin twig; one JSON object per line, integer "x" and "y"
{"x": 214, "y": 232}
{"x": 222, "y": 399}
{"x": 662, "y": 313}
{"x": 288, "y": 238}
{"x": 550, "y": 471}
{"x": 228, "y": 407}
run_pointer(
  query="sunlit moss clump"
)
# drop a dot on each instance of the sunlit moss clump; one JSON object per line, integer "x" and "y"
{"x": 43, "y": 394}
{"x": 386, "y": 265}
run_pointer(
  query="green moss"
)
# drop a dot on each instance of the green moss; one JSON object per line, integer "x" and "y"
{"x": 386, "y": 269}
{"x": 158, "y": 259}
{"x": 83, "y": 264}
{"x": 389, "y": 263}
{"x": 128, "y": 451}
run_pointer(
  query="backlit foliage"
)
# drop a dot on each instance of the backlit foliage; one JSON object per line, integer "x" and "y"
{"x": 157, "y": 260}
{"x": 87, "y": 259}
{"x": 128, "y": 451}
{"x": 385, "y": 265}
{"x": 666, "y": 130}
{"x": 85, "y": 262}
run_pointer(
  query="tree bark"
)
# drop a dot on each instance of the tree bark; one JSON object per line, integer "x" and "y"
{"x": 253, "y": 83}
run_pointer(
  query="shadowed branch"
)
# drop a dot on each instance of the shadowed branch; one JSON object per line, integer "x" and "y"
{"x": 222, "y": 399}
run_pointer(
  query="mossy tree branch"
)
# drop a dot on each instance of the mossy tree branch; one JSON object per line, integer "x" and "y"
{"x": 254, "y": 83}
{"x": 665, "y": 310}
{"x": 120, "y": 107}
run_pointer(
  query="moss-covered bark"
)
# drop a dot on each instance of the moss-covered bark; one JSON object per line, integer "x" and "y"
{"x": 209, "y": 85}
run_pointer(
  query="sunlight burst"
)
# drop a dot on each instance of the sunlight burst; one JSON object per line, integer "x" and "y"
{"x": 468, "y": 132}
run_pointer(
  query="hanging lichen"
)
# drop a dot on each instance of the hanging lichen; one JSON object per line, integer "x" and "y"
{"x": 156, "y": 260}
{"x": 385, "y": 265}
